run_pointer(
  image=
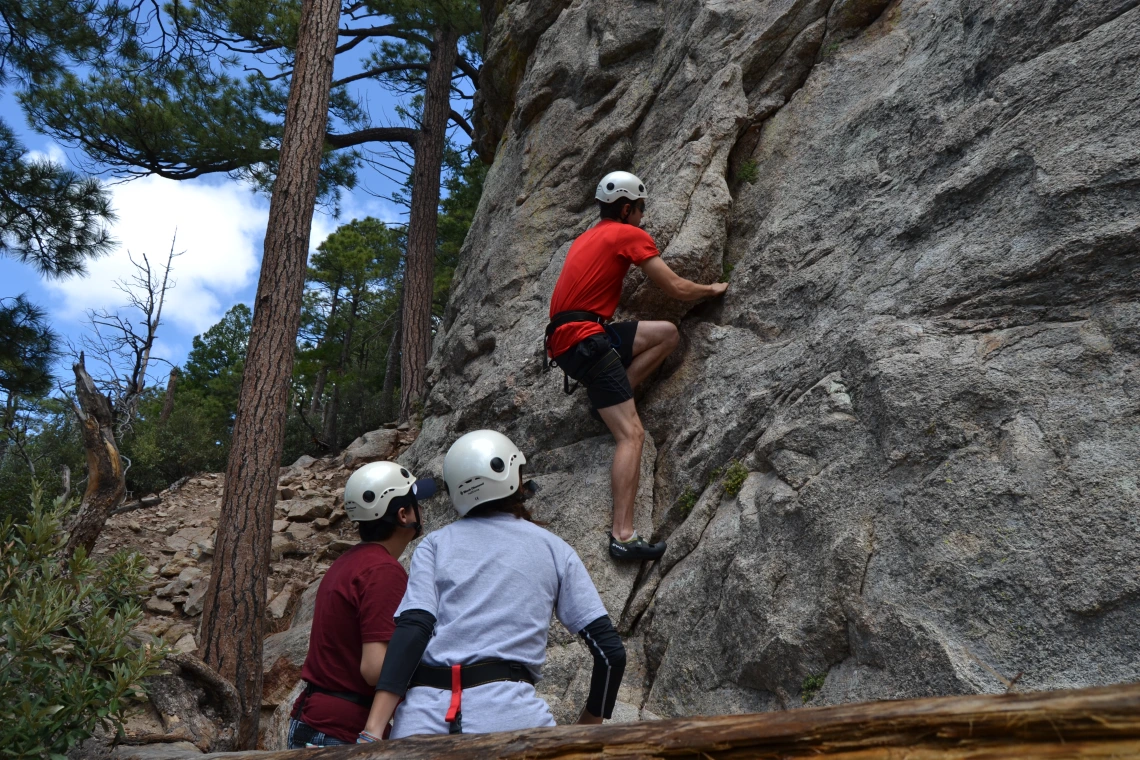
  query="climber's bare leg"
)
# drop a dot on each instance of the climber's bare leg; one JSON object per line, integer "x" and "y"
{"x": 623, "y": 422}
{"x": 651, "y": 344}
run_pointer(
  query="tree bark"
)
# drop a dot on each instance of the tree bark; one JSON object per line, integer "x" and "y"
{"x": 392, "y": 363}
{"x": 422, "y": 221}
{"x": 106, "y": 480}
{"x": 233, "y": 617}
{"x": 64, "y": 483}
{"x": 168, "y": 402}
{"x": 1101, "y": 722}
{"x": 322, "y": 375}
{"x": 332, "y": 411}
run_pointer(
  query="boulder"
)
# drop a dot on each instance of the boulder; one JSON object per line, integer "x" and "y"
{"x": 186, "y": 644}
{"x": 374, "y": 446}
{"x": 159, "y": 606}
{"x": 282, "y": 658}
{"x": 279, "y": 526}
{"x": 280, "y": 546}
{"x": 306, "y": 510}
{"x": 190, "y": 574}
{"x": 304, "y": 461}
{"x": 174, "y": 588}
{"x": 280, "y": 604}
{"x": 336, "y": 548}
{"x": 299, "y": 531}
{"x": 307, "y": 604}
{"x": 194, "y": 599}
{"x": 899, "y": 455}
{"x": 275, "y": 731}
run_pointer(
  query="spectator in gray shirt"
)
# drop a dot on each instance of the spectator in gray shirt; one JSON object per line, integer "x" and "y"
{"x": 471, "y": 630}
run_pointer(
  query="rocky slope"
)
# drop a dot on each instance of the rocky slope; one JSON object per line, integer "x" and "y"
{"x": 309, "y": 532}
{"x": 922, "y": 380}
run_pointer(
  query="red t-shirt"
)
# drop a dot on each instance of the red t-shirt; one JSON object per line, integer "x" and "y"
{"x": 592, "y": 276}
{"x": 356, "y": 604}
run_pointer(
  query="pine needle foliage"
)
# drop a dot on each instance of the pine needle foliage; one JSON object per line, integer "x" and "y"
{"x": 68, "y": 659}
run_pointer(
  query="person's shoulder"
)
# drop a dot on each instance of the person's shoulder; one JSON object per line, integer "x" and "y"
{"x": 628, "y": 233}
{"x": 556, "y": 543}
{"x": 380, "y": 561}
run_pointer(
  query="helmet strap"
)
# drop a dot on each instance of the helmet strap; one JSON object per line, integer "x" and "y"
{"x": 527, "y": 490}
{"x": 418, "y": 525}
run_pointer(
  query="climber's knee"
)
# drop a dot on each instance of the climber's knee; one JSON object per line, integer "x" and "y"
{"x": 654, "y": 334}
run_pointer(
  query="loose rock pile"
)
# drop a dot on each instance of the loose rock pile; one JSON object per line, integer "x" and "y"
{"x": 177, "y": 537}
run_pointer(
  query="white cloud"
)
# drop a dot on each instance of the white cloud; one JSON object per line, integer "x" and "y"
{"x": 354, "y": 207}
{"x": 219, "y": 225}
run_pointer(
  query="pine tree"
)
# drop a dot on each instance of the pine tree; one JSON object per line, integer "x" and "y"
{"x": 50, "y": 216}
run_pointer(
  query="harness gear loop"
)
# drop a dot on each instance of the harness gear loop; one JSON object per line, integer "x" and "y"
{"x": 455, "y": 711}
{"x": 603, "y": 363}
{"x": 560, "y": 319}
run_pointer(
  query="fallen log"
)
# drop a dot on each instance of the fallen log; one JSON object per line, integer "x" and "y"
{"x": 1101, "y": 722}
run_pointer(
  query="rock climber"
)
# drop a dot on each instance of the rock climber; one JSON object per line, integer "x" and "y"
{"x": 611, "y": 359}
{"x": 356, "y": 603}
{"x": 471, "y": 630}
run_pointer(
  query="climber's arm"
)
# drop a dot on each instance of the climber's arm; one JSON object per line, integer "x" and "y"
{"x": 676, "y": 286}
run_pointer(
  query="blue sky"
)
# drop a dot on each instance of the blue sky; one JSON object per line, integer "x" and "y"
{"x": 219, "y": 223}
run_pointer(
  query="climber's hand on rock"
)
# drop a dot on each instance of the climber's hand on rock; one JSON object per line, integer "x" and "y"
{"x": 718, "y": 289}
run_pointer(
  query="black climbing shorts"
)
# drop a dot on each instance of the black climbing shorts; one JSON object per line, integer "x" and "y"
{"x": 611, "y": 387}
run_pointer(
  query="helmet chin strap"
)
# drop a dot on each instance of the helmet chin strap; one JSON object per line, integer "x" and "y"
{"x": 528, "y": 489}
{"x": 418, "y": 525}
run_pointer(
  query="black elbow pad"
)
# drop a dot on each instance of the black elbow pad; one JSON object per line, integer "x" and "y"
{"x": 609, "y": 665}
{"x": 414, "y": 630}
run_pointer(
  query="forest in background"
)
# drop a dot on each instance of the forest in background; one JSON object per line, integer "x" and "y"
{"x": 345, "y": 378}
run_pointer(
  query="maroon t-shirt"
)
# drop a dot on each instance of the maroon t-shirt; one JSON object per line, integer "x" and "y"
{"x": 356, "y": 604}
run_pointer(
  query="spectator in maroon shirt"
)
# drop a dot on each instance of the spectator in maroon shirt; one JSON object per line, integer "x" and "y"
{"x": 356, "y": 604}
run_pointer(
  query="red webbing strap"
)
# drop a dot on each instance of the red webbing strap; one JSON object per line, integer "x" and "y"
{"x": 456, "y": 693}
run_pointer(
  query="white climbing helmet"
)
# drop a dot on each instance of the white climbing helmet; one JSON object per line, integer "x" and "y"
{"x": 617, "y": 185}
{"x": 371, "y": 489}
{"x": 481, "y": 466}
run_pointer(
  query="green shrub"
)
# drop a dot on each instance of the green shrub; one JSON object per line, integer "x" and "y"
{"x": 68, "y": 661}
{"x": 811, "y": 687}
{"x": 687, "y": 501}
{"x": 734, "y": 477}
{"x": 748, "y": 171}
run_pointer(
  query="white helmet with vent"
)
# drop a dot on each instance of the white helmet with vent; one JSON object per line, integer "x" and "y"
{"x": 371, "y": 489}
{"x": 481, "y": 466}
{"x": 617, "y": 185}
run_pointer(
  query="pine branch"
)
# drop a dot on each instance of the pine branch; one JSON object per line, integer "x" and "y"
{"x": 381, "y": 70}
{"x": 374, "y": 134}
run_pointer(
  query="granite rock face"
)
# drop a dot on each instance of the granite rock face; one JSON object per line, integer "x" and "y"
{"x": 925, "y": 367}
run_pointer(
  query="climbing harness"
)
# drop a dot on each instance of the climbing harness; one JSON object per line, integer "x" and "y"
{"x": 459, "y": 677}
{"x": 599, "y": 366}
{"x": 311, "y": 689}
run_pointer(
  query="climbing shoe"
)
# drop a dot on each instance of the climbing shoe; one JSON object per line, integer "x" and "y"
{"x": 636, "y": 548}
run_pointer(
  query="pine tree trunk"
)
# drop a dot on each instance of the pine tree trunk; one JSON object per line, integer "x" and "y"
{"x": 106, "y": 480}
{"x": 168, "y": 402}
{"x": 233, "y": 617}
{"x": 323, "y": 374}
{"x": 392, "y": 364}
{"x": 330, "y": 432}
{"x": 422, "y": 221}
{"x": 328, "y": 421}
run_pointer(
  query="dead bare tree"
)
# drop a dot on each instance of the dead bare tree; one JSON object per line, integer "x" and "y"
{"x": 122, "y": 342}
